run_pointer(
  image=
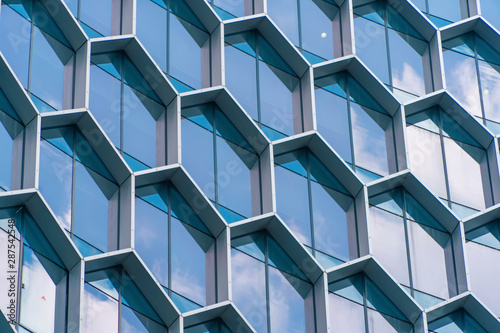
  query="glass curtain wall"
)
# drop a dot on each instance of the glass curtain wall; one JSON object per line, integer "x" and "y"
{"x": 357, "y": 305}
{"x": 415, "y": 248}
{"x": 472, "y": 69}
{"x": 11, "y": 147}
{"x": 42, "y": 279}
{"x": 177, "y": 41}
{"x": 113, "y": 303}
{"x": 264, "y": 85}
{"x": 355, "y": 125}
{"x": 394, "y": 50}
{"x": 229, "y": 9}
{"x": 483, "y": 249}
{"x": 230, "y": 176}
{"x": 449, "y": 161}
{"x": 443, "y": 12}
{"x": 97, "y": 18}
{"x": 79, "y": 189}
{"x": 457, "y": 322}
{"x": 212, "y": 326}
{"x": 36, "y": 49}
{"x": 316, "y": 207}
{"x": 268, "y": 288}
{"x": 176, "y": 245}
{"x": 311, "y": 25}
{"x": 489, "y": 10}
{"x": 128, "y": 110}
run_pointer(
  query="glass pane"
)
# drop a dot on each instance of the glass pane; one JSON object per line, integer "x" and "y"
{"x": 287, "y": 20}
{"x": 151, "y": 238}
{"x": 99, "y": 14}
{"x": 489, "y": 8}
{"x": 100, "y": 312}
{"x": 346, "y": 315}
{"x": 490, "y": 78}
{"x": 379, "y": 322}
{"x": 388, "y": 243}
{"x": 134, "y": 321}
{"x": 447, "y": 9}
{"x": 249, "y": 289}
{"x": 152, "y": 30}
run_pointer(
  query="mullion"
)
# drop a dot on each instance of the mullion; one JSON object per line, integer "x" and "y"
{"x": 169, "y": 237}
{"x": 311, "y": 215}
{"x": 20, "y": 270}
{"x": 266, "y": 272}
{"x": 408, "y": 250}
{"x": 443, "y": 156}
{"x": 387, "y": 46}
{"x": 257, "y": 72}
{"x": 349, "y": 119}
{"x": 216, "y": 173}
{"x": 476, "y": 62}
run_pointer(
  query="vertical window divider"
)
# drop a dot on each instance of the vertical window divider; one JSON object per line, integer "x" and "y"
{"x": 479, "y": 86}
{"x": 168, "y": 37}
{"x": 73, "y": 183}
{"x": 30, "y": 61}
{"x": 299, "y": 24}
{"x": 169, "y": 245}
{"x": 20, "y": 269}
{"x": 122, "y": 92}
{"x": 443, "y": 156}
{"x": 216, "y": 173}
{"x": 309, "y": 189}
{"x": 365, "y": 310}
{"x": 120, "y": 287}
{"x": 408, "y": 253}
{"x": 266, "y": 273}
{"x": 387, "y": 46}
{"x": 349, "y": 120}
{"x": 257, "y": 72}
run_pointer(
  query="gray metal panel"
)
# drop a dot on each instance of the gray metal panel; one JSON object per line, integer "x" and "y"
{"x": 126, "y": 227}
{"x": 481, "y": 218}
{"x": 361, "y": 201}
{"x": 308, "y": 108}
{"x": 460, "y": 258}
{"x": 223, "y": 253}
{"x": 494, "y": 164}
{"x": 217, "y": 56}
{"x": 267, "y": 181}
{"x": 31, "y": 154}
{"x": 128, "y": 17}
{"x": 436, "y": 61}
{"x": 400, "y": 153}
{"x": 75, "y": 297}
{"x": 173, "y": 128}
{"x": 347, "y": 27}
{"x": 82, "y": 74}
{"x": 321, "y": 304}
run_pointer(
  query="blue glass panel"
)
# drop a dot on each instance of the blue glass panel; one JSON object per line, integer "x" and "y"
{"x": 182, "y": 10}
{"x": 397, "y": 22}
{"x": 270, "y": 56}
{"x": 373, "y": 11}
{"x": 287, "y": 20}
{"x": 132, "y": 297}
{"x": 390, "y": 201}
{"x": 86, "y": 154}
{"x": 427, "y": 119}
{"x": 222, "y": 13}
{"x": 201, "y": 115}
{"x": 15, "y": 46}
{"x": 134, "y": 164}
{"x": 488, "y": 235}
{"x": 447, "y": 9}
{"x": 189, "y": 263}
{"x": 271, "y": 133}
{"x": 359, "y": 95}
{"x": 350, "y": 288}
{"x": 183, "y": 211}
{"x": 452, "y": 323}
{"x": 463, "y": 44}
{"x": 253, "y": 245}
{"x": 322, "y": 175}
{"x": 107, "y": 281}
{"x": 489, "y": 8}
{"x": 10, "y": 131}
{"x": 41, "y": 105}
{"x": 236, "y": 8}
{"x": 111, "y": 62}
{"x": 98, "y": 15}
{"x": 23, "y": 7}
{"x": 182, "y": 303}
{"x": 84, "y": 247}
{"x": 34, "y": 238}
{"x": 415, "y": 212}
{"x": 426, "y": 300}
{"x": 378, "y": 301}
{"x": 134, "y": 79}
{"x": 227, "y": 130}
{"x": 56, "y": 174}
{"x": 151, "y": 238}
{"x": 279, "y": 259}
{"x": 98, "y": 311}
{"x": 213, "y": 326}
{"x": 229, "y": 215}
{"x": 44, "y": 21}
{"x": 335, "y": 84}
{"x": 156, "y": 195}
{"x": 134, "y": 321}
{"x": 7, "y": 108}
{"x": 489, "y": 74}
{"x": 294, "y": 161}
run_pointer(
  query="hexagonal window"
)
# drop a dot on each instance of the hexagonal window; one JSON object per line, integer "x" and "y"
{"x": 37, "y": 49}
{"x": 359, "y": 129}
{"x": 231, "y": 173}
{"x": 472, "y": 69}
{"x": 413, "y": 246}
{"x": 442, "y": 13}
{"x": 176, "y": 245}
{"x": 268, "y": 287}
{"x": 112, "y": 302}
{"x": 449, "y": 161}
{"x": 316, "y": 206}
{"x": 79, "y": 189}
{"x": 358, "y": 305}
{"x": 394, "y": 50}
{"x": 42, "y": 296}
{"x": 312, "y": 25}
{"x": 128, "y": 109}
{"x": 264, "y": 84}
{"x": 177, "y": 40}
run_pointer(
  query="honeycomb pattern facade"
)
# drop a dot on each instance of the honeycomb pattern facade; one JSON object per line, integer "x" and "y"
{"x": 249, "y": 166}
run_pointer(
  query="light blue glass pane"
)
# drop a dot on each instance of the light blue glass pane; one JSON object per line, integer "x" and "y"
{"x": 227, "y": 130}
{"x": 73, "y": 6}
{"x": 40, "y": 105}
{"x": 279, "y": 259}
{"x": 91, "y": 33}
{"x": 359, "y": 95}
{"x": 333, "y": 122}
{"x": 294, "y": 161}
{"x": 463, "y": 44}
{"x": 322, "y": 175}
{"x": 420, "y": 4}
{"x": 408, "y": 59}
{"x": 23, "y": 7}
{"x": 292, "y": 203}
{"x": 152, "y": 30}
{"x": 183, "y": 304}
{"x": 472, "y": 326}
{"x": 317, "y": 28}
{"x": 44, "y": 21}
{"x": 183, "y": 211}
{"x": 189, "y": 53}
{"x": 365, "y": 175}
{"x": 326, "y": 261}
{"x": 107, "y": 281}
{"x": 462, "y": 80}
{"x": 372, "y": 135}
{"x": 234, "y": 7}
{"x": 427, "y": 119}
{"x": 345, "y": 315}
{"x": 287, "y": 20}
{"x": 132, "y": 297}
{"x": 134, "y": 79}
{"x": 35, "y": 239}
{"x": 330, "y": 221}
{"x": 202, "y": 115}
{"x": 350, "y": 288}
{"x": 111, "y": 62}
{"x": 371, "y": 47}
{"x": 7, "y": 108}
{"x": 182, "y": 10}
{"x": 415, "y": 212}
{"x": 373, "y": 11}
{"x": 271, "y": 133}
{"x": 489, "y": 74}
{"x": 489, "y": 8}
{"x": 50, "y": 59}
{"x": 488, "y": 235}
{"x": 279, "y": 99}
{"x": 190, "y": 261}
{"x": 462, "y": 211}
{"x": 15, "y": 42}
{"x": 98, "y": 311}
{"x": 249, "y": 289}
{"x": 270, "y": 56}
{"x": 139, "y": 125}
{"x": 85, "y": 248}
{"x": 335, "y": 84}
{"x": 397, "y": 22}
{"x": 86, "y": 154}
{"x": 223, "y": 14}
{"x": 198, "y": 147}
{"x": 237, "y": 177}
{"x": 246, "y": 42}
{"x": 438, "y": 22}
{"x": 105, "y": 100}
{"x": 134, "y": 164}
{"x": 229, "y": 215}
{"x": 390, "y": 201}
{"x": 452, "y": 323}
{"x": 6, "y": 150}
{"x": 380, "y": 322}
{"x": 253, "y": 245}
{"x": 156, "y": 195}
{"x": 44, "y": 284}
{"x": 241, "y": 79}
{"x": 212, "y": 326}
{"x": 151, "y": 238}
{"x": 134, "y": 321}
{"x": 378, "y": 301}
{"x": 313, "y": 59}
{"x": 387, "y": 240}
{"x": 448, "y": 9}
{"x": 98, "y": 15}
{"x": 56, "y": 174}
{"x": 92, "y": 193}
{"x": 426, "y": 300}
{"x": 286, "y": 300}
